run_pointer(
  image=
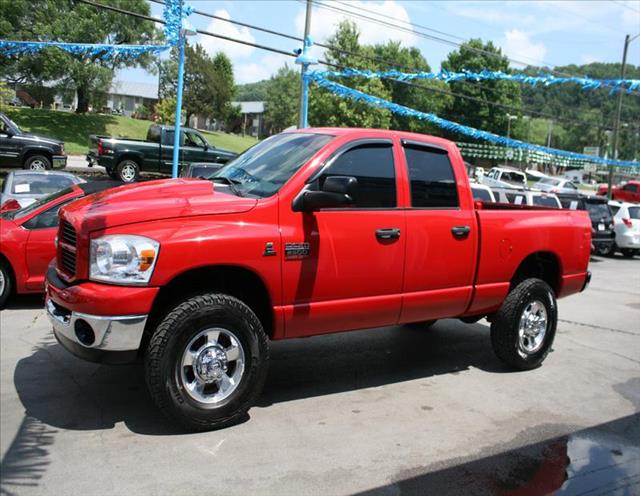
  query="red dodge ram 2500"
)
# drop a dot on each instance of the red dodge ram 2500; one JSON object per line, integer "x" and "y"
{"x": 309, "y": 232}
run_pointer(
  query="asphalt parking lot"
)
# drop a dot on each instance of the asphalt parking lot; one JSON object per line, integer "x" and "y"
{"x": 387, "y": 411}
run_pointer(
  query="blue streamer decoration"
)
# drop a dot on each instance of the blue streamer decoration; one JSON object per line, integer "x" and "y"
{"x": 175, "y": 11}
{"x": 542, "y": 79}
{"x": 359, "y": 96}
{"x": 15, "y": 48}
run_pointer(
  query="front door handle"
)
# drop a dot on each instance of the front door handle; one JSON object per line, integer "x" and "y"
{"x": 388, "y": 233}
{"x": 460, "y": 231}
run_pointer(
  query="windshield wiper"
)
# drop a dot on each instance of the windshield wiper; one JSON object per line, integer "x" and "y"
{"x": 228, "y": 182}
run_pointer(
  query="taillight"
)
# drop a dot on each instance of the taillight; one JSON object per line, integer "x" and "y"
{"x": 627, "y": 222}
{"x": 100, "y": 147}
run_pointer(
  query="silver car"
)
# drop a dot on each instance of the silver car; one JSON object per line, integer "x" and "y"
{"x": 26, "y": 186}
{"x": 556, "y": 185}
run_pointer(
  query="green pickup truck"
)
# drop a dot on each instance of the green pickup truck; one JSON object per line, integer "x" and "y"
{"x": 125, "y": 158}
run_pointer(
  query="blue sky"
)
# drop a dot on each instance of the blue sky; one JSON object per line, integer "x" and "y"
{"x": 536, "y": 32}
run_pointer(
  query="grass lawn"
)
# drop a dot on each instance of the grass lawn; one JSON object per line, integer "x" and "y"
{"x": 74, "y": 129}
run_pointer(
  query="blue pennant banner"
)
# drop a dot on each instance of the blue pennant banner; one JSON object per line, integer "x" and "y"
{"x": 359, "y": 96}
{"x": 175, "y": 11}
{"x": 542, "y": 79}
{"x": 14, "y": 48}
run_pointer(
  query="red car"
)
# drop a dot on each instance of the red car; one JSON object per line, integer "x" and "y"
{"x": 308, "y": 232}
{"x": 629, "y": 192}
{"x": 27, "y": 239}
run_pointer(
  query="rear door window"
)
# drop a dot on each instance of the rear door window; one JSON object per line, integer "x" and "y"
{"x": 545, "y": 201}
{"x": 433, "y": 183}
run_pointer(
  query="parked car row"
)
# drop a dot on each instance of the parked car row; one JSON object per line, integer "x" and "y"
{"x": 615, "y": 225}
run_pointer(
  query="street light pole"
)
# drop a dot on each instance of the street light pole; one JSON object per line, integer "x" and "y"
{"x": 616, "y": 127}
{"x": 304, "y": 85}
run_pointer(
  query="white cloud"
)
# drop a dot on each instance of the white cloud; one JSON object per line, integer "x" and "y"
{"x": 518, "y": 45}
{"x": 268, "y": 65}
{"x": 324, "y": 21}
{"x": 588, "y": 59}
{"x": 233, "y": 50}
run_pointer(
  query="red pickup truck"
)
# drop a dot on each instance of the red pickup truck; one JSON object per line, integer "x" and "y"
{"x": 309, "y": 232}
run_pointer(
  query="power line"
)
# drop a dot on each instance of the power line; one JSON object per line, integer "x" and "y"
{"x": 331, "y": 64}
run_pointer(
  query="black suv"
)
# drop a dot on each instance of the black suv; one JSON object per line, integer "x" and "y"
{"x": 29, "y": 151}
{"x": 602, "y": 233}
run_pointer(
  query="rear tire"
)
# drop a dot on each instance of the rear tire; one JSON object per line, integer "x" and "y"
{"x": 37, "y": 163}
{"x": 112, "y": 174}
{"x": 522, "y": 331}
{"x": 6, "y": 283}
{"x": 128, "y": 171}
{"x": 628, "y": 252}
{"x": 207, "y": 361}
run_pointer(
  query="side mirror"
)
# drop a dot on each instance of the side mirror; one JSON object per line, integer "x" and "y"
{"x": 336, "y": 192}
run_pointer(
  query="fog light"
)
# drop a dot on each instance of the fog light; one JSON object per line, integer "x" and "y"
{"x": 84, "y": 332}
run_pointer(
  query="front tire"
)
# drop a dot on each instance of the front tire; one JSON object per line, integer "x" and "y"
{"x": 5, "y": 283}
{"x": 37, "y": 163}
{"x": 206, "y": 363}
{"x": 128, "y": 171}
{"x": 522, "y": 331}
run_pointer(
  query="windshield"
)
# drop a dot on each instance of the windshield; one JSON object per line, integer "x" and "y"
{"x": 545, "y": 201}
{"x": 11, "y": 123}
{"x": 549, "y": 180}
{"x": 598, "y": 210}
{"x": 21, "y": 212}
{"x": 263, "y": 169}
{"x": 481, "y": 194}
{"x": 39, "y": 184}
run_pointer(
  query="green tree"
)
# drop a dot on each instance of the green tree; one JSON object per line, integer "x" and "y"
{"x": 208, "y": 82}
{"x": 282, "y": 98}
{"x": 476, "y": 56}
{"x": 326, "y": 109}
{"x": 426, "y": 96}
{"x": 165, "y": 111}
{"x": 65, "y": 20}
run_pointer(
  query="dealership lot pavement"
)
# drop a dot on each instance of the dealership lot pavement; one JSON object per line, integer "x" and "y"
{"x": 387, "y": 411}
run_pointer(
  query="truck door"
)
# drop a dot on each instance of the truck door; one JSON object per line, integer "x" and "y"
{"x": 166, "y": 152}
{"x": 195, "y": 148}
{"x": 342, "y": 267}
{"x": 441, "y": 236}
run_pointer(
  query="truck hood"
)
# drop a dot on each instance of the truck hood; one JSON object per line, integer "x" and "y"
{"x": 153, "y": 200}
{"x": 41, "y": 138}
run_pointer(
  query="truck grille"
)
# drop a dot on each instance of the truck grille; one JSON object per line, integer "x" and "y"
{"x": 67, "y": 248}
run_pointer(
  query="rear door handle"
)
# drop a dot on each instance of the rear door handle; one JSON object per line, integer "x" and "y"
{"x": 460, "y": 231}
{"x": 388, "y": 233}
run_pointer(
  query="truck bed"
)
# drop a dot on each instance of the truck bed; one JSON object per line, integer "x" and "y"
{"x": 511, "y": 234}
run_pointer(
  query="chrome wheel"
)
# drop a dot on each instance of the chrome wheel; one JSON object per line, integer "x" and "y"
{"x": 128, "y": 171}
{"x": 212, "y": 365}
{"x": 532, "y": 328}
{"x": 37, "y": 165}
{"x": 2, "y": 282}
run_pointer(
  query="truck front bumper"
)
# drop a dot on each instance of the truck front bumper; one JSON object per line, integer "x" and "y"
{"x": 83, "y": 323}
{"x": 97, "y": 338}
{"x": 59, "y": 161}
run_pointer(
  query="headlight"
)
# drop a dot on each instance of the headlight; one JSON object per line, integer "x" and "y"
{"x": 123, "y": 259}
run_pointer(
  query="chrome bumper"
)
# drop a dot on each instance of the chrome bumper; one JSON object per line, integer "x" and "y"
{"x": 107, "y": 333}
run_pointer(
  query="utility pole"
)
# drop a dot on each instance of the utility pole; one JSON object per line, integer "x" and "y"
{"x": 302, "y": 107}
{"x": 616, "y": 127}
{"x": 549, "y": 140}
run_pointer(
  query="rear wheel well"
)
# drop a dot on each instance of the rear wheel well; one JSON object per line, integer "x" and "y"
{"x": 230, "y": 280}
{"x": 129, "y": 156}
{"x": 12, "y": 275}
{"x": 542, "y": 265}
